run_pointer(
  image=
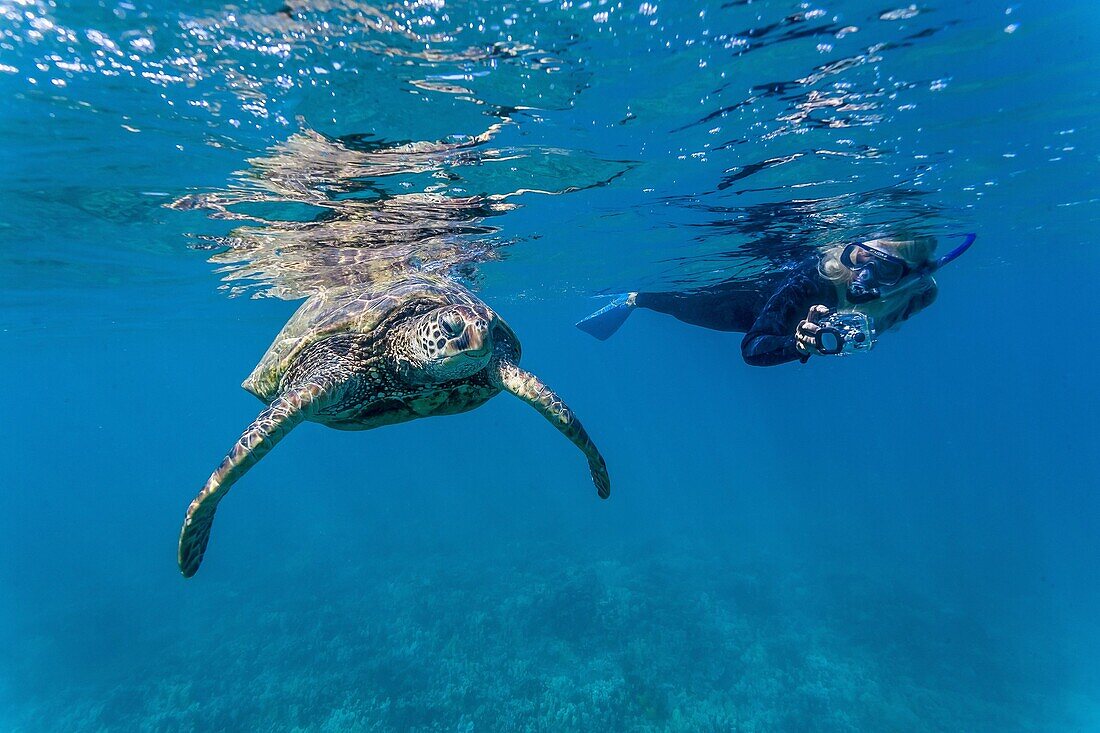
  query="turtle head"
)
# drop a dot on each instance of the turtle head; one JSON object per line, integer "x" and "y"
{"x": 449, "y": 342}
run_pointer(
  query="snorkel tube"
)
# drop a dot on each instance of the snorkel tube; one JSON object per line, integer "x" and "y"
{"x": 955, "y": 253}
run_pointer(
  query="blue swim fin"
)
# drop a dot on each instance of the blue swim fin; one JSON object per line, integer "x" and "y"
{"x": 607, "y": 320}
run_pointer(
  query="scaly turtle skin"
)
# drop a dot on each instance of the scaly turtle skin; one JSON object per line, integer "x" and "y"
{"x": 357, "y": 361}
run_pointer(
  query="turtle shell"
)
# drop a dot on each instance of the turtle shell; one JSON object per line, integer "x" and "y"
{"x": 352, "y": 310}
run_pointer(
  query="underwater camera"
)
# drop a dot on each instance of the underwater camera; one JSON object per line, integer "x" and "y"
{"x": 845, "y": 332}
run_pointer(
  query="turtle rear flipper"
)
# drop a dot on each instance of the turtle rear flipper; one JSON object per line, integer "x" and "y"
{"x": 280, "y": 417}
{"x": 511, "y": 378}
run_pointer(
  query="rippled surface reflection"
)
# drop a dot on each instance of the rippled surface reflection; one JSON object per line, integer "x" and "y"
{"x": 383, "y": 211}
{"x": 732, "y": 133}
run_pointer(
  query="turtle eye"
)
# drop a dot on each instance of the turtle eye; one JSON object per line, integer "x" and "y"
{"x": 452, "y": 325}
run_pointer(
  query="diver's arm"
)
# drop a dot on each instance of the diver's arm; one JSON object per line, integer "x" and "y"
{"x": 771, "y": 340}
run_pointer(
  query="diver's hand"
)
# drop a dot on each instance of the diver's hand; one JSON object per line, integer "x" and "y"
{"x": 805, "y": 335}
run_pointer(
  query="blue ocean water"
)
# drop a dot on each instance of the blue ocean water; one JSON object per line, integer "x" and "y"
{"x": 902, "y": 541}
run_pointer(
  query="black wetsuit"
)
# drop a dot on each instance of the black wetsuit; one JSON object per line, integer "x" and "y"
{"x": 768, "y": 316}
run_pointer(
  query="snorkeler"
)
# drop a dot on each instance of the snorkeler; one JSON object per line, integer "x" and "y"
{"x": 829, "y": 305}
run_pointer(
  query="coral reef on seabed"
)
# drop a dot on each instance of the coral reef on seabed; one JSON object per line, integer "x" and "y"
{"x": 547, "y": 640}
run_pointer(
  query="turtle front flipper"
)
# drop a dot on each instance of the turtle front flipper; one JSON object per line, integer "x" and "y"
{"x": 280, "y": 417}
{"x": 529, "y": 388}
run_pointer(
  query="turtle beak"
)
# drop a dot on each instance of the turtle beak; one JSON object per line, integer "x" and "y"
{"x": 474, "y": 341}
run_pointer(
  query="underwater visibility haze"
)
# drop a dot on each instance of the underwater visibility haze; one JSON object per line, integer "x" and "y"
{"x": 902, "y": 540}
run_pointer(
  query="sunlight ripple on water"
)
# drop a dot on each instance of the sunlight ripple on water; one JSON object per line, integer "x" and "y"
{"x": 778, "y": 131}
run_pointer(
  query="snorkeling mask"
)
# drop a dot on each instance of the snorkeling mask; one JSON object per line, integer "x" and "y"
{"x": 845, "y": 332}
{"x": 879, "y": 273}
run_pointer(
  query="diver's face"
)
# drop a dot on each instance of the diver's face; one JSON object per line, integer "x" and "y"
{"x": 875, "y": 265}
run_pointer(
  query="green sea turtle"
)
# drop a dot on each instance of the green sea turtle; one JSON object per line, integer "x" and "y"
{"x": 354, "y": 361}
